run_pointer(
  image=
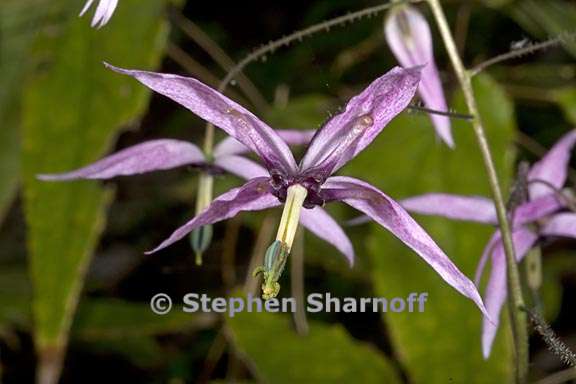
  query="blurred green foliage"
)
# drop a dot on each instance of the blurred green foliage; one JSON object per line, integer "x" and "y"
{"x": 72, "y": 109}
{"x": 327, "y": 354}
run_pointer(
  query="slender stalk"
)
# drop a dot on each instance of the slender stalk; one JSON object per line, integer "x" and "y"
{"x": 297, "y": 278}
{"x": 518, "y": 316}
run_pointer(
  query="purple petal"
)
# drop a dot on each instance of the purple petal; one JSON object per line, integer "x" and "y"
{"x": 231, "y": 146}
{"x": 104, "y": 12}
{"x": 496, "y": 289}
{"x": 241, "y": 166}
{"x": 219, "y": 110}
{"x": 469, "y": 208}
{"x": 553, "y": 167}
{"x": 537, "y": 209}
{"x": 320, "y": 223}
{"x": 525, "y": 214}
{"x": 252, "y": 196}
{"x": 149, "y": 156}
{"x": 389, "y": 214}
{"x": 408, "y": 35}
{"x": 86, "y": 7}
{"x": 562, "y": 224}
{"x": 494, "y": 241}
{"x": 348, "y": 133}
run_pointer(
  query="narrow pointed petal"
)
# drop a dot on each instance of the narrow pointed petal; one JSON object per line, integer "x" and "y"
{"x": 348, "y": 133}
{"x": 103, "y": 13}
{"x": 562, "y": 224}
{"x": 468, "y": 208}
{"x": 408, "y": 35}
{"x": 320, "y": 223}
{"x": 108, "y": 12}
{"x": 149, "y": 156}
{"x": 231, "y": 146}
{"x": 389, "y": 214}
{"x": 241, "y": 166}
{"x": 496, "y": 289}
{"x": 252, "y": 196}
{"x": 219, "y": 110}
{"x": 495, "y": 241}
{"x": 553, "y": 168}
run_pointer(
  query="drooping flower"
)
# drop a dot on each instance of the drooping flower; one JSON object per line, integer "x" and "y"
{"x": 544, "y": 214}
{"x": 104, "y": 12}
{"x": 408, "y": 35}
{"x": 309, "y": 185}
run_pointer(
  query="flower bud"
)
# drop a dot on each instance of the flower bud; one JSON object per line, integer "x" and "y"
{"x": 408, "y": 35}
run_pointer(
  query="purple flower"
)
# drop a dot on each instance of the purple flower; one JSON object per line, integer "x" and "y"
{"x": 308, "y": 185}
{"x": 104, "y": 12}
{"x": 543, "y": 215}
{"x": 165, "y": 154}
{"x": 409, "y": 38}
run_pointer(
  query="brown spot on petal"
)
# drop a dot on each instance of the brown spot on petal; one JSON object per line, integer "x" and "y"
{"x": 361, "y": 123}
{"x": 239, "y": 117}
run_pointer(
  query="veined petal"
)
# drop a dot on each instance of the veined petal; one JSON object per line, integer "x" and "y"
{"x": 496, "y": 289}
{"x": 320, "y": 223}
{"x": 252, "y": 196}
{"x": 231, "y": 146}
{"x": 408, "y": 35}
{"x": 553, "y": 167}
{"x": 241, "y": 166}
{"x": 149, "y": 156}
{"x": 469, "y": 208}
{"x": 348, "y": 133}
{"x": 562, "y": 224}
{"x": 219, "y": 110}
{"x": 389, "y": 214}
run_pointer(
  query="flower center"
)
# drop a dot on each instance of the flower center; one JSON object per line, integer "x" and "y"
{"x": 280, "y": 185}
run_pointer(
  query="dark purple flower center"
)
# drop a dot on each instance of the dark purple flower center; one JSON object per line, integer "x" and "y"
{"x": 280, "y": 182}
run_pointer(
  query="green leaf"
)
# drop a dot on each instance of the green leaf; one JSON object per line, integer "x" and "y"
{"x": 16, "y": 32}
{"x": 326, "y": 355}
{"x": 73, "y": 109}
{"x": 442, "y": 344}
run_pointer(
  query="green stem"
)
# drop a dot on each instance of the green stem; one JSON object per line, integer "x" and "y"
{"x": 208, "y": 140}
{"x": 518, "y": 317}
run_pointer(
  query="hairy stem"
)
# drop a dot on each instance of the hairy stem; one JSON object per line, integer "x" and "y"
{"x": 528, "y": 49}
{"x": 518, "y": 316}
{"x": 301, "y": 34}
